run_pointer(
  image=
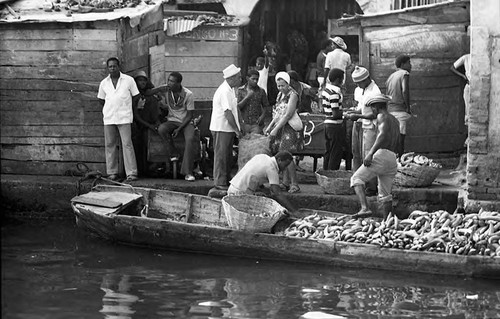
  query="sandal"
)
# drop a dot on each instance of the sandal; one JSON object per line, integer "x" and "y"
{"x": 284, "y": 187}
{"x": 294, "y": 188}
{"x": 363, "y": 213}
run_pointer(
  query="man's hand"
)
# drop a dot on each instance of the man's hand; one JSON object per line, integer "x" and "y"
{"x": 368, "y": 160}
{"x": 176, "y": 132}
{"x": 239, "y": 133}
{"x": 141, "y": 103}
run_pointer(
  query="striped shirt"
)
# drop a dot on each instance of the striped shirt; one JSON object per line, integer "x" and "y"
{"x": 331, "y": 100}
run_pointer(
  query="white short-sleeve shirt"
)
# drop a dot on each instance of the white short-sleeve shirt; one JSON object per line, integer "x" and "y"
{"x": 259, "y": 170}
{"x": 224, "y": 99}
{"x": 361, "y": 95}
{"x": 118, "y": 101}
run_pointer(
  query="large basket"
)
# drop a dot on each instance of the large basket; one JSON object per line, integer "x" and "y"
{"x": 415, "y": 175}
{"x": 252, "y": 213}
{"x": 335, "y": 182}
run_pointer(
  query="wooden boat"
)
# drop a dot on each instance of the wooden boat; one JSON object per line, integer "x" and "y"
{"x": 196, "y": 223}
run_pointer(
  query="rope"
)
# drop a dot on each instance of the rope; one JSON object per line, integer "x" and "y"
{"x": 95, "y": 176}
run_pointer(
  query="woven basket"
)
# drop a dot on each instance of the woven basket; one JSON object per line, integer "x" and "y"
{"x": 252, "y": 213}
{"x": 335, "y": 182}
{"x": 415, "y": 175}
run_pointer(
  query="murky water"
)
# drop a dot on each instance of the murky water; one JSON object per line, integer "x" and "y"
{"x": 54, "y": 271}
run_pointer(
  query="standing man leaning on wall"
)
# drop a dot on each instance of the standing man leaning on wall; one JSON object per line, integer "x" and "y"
{"x": 117, "y": 93}
{"x": 398, "y": 87}
{"x": 224, "y": 125}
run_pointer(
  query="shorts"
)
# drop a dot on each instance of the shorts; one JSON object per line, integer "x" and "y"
{"x": 402, "y": 117}
{"x": 384, "y": 167}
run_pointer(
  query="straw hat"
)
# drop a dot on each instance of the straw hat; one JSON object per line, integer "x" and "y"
{"x": 230, "y": 71}
{"x": 377, "y": 98}
{"x": 340, "y": 42}
{"x": 141, "y": 73}
{"x": 359, "y": 74}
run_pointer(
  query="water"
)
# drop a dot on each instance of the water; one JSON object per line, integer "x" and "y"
{"x": 54, "y": 271}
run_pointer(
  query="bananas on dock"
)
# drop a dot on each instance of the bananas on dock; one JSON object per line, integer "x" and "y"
{"x": 439, "y": 231}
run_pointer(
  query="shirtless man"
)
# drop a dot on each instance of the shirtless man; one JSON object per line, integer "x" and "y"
{"x": 380, "y": 160}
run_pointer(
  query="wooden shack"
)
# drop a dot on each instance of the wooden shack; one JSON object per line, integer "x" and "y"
{"x": 434, "y": 36}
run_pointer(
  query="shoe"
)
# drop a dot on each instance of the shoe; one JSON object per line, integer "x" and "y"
{"x": 189, "y": 177}
{"x": 284, "y": 187}
{"x": 174, "y": 158}
{"x": 132, "y": 178}
{"x": 363, "y": 213}
{"x": 114, "y": 177}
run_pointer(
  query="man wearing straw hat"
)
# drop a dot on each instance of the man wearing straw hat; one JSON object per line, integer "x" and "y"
{"x": 225, "y": 124}
{"x": 259, "y": 170}
{"x": 380, "y": 160}
{"x": 337, "y": 59}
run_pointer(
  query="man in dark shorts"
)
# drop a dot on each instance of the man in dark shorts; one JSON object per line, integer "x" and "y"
{"x": 380, "y": 160}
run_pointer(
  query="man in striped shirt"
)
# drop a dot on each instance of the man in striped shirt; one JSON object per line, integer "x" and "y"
{"x": 335, "y": 138}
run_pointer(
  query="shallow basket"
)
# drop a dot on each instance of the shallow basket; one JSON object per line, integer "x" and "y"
{"x": 252, "y": 213}
{"x": 415, "y": 175}
{"x": 335, "y": 182}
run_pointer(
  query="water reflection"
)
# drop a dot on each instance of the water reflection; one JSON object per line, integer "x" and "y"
{"x": 56, "y": 272}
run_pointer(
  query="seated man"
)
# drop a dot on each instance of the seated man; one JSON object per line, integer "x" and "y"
{"x": 261, "y": 169}
{"x": 180, "y": 104}
{"x": 380, "y": 161}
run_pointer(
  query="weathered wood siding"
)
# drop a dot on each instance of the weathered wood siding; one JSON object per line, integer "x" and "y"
{"x": 434, "y": 38}
{"x": 49, "y": 77}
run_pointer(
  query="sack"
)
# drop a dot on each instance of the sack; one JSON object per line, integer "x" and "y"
{"x": 251, "y": 145}
{"x": 296, "y": 122}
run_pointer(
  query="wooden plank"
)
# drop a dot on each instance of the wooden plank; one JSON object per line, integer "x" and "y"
{"x": 36, "y": 34}
{"x": 59, "y": 44}
{"x": 51, "y": 118}
{"x": 198, "y": 79}
{"x": 92, "y": 59}
{"x": 76, "y": 153}
{"x": 211, "y": 33}
{"x": 49, "y": 85}
{"x": 46, "y": 168}
{"x": 201, "y": 64}
{"x": 136, "y": 47}
{"x": 94, "y": 45}
{"x": 384, "y": 33}
{"x": 88, "y": 131}
{"x": 200, "y": 48}
{"x": 135, "y": 63}
{"x": 28, "y": 140}
{"x": 157, "y": 65}
{"x": 93, "y": 34}
{"x": 43, "y": 95}
{"x": 41, "y": 106}
{"x": 68, "y": 72}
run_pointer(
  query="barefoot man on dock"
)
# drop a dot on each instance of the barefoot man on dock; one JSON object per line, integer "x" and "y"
{"x": 380, "y": 160}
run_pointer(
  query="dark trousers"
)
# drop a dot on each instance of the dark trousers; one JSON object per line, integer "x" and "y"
{"x": 335, "y": 142}
{"x": 165, "y": 130}
{"x": 223, "y": 153}
{"x": 356, "y": 142}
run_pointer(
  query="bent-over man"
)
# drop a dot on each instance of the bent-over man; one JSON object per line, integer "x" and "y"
{"x": 259, "y": 170}
{"x": 380, "y": 160}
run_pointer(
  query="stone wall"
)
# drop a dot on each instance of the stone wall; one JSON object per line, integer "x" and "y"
{"x": 483, "y": 158}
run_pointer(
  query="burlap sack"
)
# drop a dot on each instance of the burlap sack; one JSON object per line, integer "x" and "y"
{"x": 251, "y": 145}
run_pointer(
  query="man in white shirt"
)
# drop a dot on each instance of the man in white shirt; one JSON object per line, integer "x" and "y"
{"x": 337, "y": 59}
{"x": 364, "y": 131}
{"x": 225, "y": 124}
{"x": 117, "y": 93}
{"x": 464, "y": 61}
{"x": 259, "y": 170}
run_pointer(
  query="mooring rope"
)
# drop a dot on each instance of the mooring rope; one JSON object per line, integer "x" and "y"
{"x": 95, "y": 176}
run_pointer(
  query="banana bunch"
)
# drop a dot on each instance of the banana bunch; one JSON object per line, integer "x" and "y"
{"x": 411, "y": 157}
{"x": 439, "y": 231}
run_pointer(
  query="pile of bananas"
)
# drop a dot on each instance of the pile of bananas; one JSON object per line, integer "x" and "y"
{"x": 439, "y": 231}
{"x": 411, "y": 157}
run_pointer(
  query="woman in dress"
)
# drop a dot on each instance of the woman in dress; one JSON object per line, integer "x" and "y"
{"x": 283, "y": 136}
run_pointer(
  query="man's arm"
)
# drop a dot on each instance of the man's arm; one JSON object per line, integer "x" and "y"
{"x": 277, "y": 195}
{"x": 189, "y": 103}
{"x": 138, "y": 117}
{"x": 101, "y": 101}
{"x": 406, "y": 92}
{"x": 232, "y": 122}
{"x": 382, "y": 137}
{"x": 460, "y": 74}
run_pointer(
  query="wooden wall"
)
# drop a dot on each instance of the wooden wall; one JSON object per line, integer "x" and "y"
{"x": 49, "y": 77}
{"x": 434, "y": 39}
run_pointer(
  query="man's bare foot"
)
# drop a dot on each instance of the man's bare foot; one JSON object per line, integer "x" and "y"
{"x": 363, "y": 213}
